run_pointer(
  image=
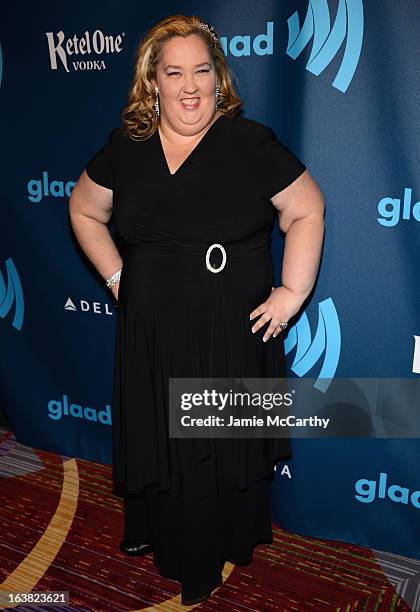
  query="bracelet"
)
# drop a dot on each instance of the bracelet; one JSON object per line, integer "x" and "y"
{"x": 114, "y": 278}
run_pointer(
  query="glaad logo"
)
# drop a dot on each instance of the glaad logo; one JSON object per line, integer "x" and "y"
{"x": 241, "y": 45}
{"x": 57, "y": 409}
{"x": 13, "y": 293}
{"x": 38, "y": 189}
{"x": 97, "y": 43}
{"x": 390, "y": 209}
{"x": 366, "y": 490}
{"x": 416, "y": 358}
{"x": 85, "y": 306}
{"x": 327, "y": 339}
{"x": 327, "y": 41}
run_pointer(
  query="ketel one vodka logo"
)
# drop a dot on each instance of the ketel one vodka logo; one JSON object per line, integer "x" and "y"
{"x": 84, "y": 52}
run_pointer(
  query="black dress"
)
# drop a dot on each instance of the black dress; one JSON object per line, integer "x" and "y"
{"x": 198, "y": 501}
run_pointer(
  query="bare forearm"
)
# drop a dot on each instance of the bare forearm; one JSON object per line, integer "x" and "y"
{"x": 302, "y": 253}
{"x": 97, "y": 243}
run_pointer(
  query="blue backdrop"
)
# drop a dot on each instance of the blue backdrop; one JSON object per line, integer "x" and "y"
{"x": 338, "y": 81}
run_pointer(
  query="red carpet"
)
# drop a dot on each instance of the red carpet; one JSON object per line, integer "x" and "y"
{"x": 61, "y": 526}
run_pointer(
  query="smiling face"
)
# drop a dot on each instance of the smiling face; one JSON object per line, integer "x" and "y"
{"x": 186, "y": 78}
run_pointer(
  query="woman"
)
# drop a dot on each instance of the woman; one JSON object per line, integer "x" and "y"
{"x": 184, "y": 172}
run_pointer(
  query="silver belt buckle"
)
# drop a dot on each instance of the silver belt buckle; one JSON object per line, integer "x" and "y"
{"x": 222, "y": 265}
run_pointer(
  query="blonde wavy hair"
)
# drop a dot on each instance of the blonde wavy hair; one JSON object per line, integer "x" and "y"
{"x": 139, "y": 117}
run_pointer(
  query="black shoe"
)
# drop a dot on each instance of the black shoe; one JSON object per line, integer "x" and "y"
{"x": 196, "y": 600}
{"x": 191, "y": 602}
{"x": 135, "y": 548}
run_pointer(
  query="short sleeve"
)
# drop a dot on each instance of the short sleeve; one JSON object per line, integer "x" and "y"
{"x": 100, "y": 168}
{"x": 277, "y": 167}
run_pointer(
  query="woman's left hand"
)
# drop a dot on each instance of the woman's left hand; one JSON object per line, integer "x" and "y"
{"x": 281, "y": 305}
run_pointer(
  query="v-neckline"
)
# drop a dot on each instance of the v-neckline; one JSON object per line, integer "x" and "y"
{"x": 191, "y": 153}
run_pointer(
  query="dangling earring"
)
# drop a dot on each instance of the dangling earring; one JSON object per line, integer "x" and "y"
{"x": 157, "y": 101}
{"x": 217, "y": 94}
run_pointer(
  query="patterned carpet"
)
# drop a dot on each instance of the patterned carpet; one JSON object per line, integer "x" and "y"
{"x": 61, "y": 525}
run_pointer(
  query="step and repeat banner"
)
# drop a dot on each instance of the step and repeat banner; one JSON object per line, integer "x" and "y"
{"x": 338, "y": 82}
